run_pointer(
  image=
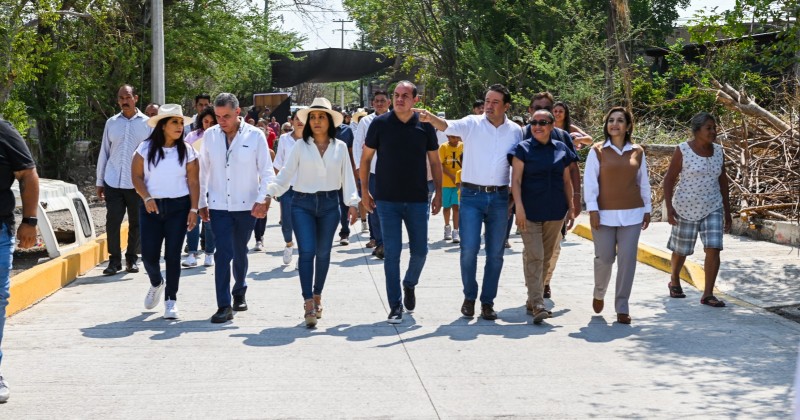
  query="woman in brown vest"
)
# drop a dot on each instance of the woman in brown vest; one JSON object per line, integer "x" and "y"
{"x": 617, "y": 193}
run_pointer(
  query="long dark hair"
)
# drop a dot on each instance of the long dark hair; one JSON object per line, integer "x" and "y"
{"x": 198, "y": 120}
{"x": 628, "y": 120}
{"x": 307, "y": 134}
{"x": 157, "y": 142}
{"x": 567, "y": 119}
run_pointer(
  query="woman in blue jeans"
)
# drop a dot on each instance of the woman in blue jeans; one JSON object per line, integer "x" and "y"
{"x": 319, "y": 166}
{"x": 165, "y": 173}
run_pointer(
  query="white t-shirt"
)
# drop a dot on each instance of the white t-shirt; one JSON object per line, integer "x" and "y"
{"x": 167, "y": 178}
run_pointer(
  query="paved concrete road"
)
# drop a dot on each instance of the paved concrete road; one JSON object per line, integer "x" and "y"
{"x": 91, "y": 351}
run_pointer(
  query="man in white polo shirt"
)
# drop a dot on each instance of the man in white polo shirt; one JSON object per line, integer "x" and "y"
{"x": 488, "y": 139}
{"x": 235, "y": 169}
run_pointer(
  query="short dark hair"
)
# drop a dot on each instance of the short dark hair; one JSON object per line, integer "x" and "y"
{"x": 497, "y": 87}
{"x": 628, "y": 119}
{"x": 477, "y": 104}
{"x": 202, "y": 96}
{"x": 380, "y": 92}
{"x": 307, "y": 134}
{"x": 406, "y": 82}
{"x": 543, "y": 95}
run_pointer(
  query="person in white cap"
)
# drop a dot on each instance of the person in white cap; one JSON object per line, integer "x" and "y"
{"x": 165, "y": 173}
{"x": 318, "y": 166}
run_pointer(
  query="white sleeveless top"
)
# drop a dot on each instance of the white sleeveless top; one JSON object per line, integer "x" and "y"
{"x": 697, "y": 193}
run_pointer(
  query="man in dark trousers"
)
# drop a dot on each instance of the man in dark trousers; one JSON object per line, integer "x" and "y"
{"x": 345, "y": 134}
{"x": 121, "y": 137}
{"x": 17, "y": 163}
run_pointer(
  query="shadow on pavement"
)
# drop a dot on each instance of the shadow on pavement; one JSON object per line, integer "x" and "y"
{"x": 283, "y": 336}
{"x": 165, "y": 329}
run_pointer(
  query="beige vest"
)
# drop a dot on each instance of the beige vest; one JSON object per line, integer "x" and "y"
{"x": 618, "y": 187}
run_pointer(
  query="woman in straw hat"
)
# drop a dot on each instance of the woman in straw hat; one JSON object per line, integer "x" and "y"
{"x": 165, "y": 173}
{"x": 317, "y": 168}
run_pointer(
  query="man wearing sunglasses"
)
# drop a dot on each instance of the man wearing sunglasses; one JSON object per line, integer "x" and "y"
{"x": 545, "y": 100}
{"x": 488, "y": 140}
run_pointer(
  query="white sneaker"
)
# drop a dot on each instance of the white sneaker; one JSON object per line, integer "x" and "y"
{"x": 456, "y": 239}
{"x": 170, "y": 309}
{"x": 259, "y": 246}
{"x": 448, "y": 233}
{"x": 364, "y": 227}
{"x": 190, "y": 261}
{"x": 4, "y": 391}
{"x": 287, "y": 255}
{"x": 344, "y": 241}
{"x": 209, "y": 260}
{"x": 153, "y": 296}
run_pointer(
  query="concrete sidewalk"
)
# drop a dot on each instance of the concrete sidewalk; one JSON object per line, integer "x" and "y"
{"x": 91, "y": 351}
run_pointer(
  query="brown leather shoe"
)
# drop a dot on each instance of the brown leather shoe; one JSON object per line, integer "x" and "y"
{"x": 487, "y": 312}
{"x": 547, "y": 293}
{"x": 528, "y": 307}
{"x": 318, "y": 305}
{"x": 540, "y": 315}
{"x": 370, "y": 244}
{"x": 468, "y": 308}
{"x": 597, "y": 305}
{"x": 623, "y": 318}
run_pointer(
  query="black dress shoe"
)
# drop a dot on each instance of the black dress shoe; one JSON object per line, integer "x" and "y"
{"x": 112, "y": 269}
{"x": 239, "y": 303}
{"x": 132, "y": 267}
{"x": 223, "y": 315}
{"x": 487, "y": 312}
{"x": 468, "y": 308}
{"x": 379, "y": 252}
{"x": 409, "y": 299}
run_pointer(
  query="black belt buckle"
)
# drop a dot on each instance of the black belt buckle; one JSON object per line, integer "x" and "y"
{"x": 484, "y": 188}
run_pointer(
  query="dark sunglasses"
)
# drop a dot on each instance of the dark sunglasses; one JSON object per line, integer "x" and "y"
{"x": 541, "y": 122}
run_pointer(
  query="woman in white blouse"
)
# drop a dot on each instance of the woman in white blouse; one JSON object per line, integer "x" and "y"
{"x": 617, "y": 193}
{"x": 316, "y": 168}
{"x": 165, "y": 173}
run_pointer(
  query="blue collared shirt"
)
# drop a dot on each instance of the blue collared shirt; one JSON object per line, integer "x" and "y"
{"x": 543, "y": 178}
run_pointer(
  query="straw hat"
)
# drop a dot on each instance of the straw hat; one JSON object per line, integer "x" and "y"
{"x": 169, "y": 111}
{"x": 359, "y": 114}
{"x": 324, "y": 105}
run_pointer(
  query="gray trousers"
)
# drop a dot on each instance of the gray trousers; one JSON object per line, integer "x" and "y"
{"x": 620, "y": 243}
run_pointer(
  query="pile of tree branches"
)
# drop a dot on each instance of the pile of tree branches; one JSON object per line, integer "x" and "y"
{"x": 763, "y": 158}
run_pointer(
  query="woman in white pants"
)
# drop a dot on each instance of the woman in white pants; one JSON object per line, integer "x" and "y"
{"x": 617, "y": 194}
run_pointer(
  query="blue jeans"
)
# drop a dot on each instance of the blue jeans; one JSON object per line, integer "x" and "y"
{"x": 314, "y": 218}
{"x": 7, "y": 241}
{"x": 260, "y": 228}
{"x": 167, "y": 227}
{"x": 478, "y": 208}
{"x": 208, "y": 233}
{"x": 344, "y": 232}
{"x": 393, "y": 215}
{"x": 373, "y": 219}
{"x": 232, "y": 230}
{"x": 431, "y": 190}
{"x": 286, "y": 215}
{"x": 193, "y": 238}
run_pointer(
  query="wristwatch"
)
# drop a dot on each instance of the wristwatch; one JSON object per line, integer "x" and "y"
{"x": 30, "y": 221}
{"x": 195, "y": 211}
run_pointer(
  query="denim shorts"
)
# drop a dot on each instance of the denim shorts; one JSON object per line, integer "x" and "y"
{"x": 684, "y": 234}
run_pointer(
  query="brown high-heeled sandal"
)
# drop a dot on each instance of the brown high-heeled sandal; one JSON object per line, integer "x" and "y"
{"x": 318, "y": 305}
{"x": 310, "y": 313}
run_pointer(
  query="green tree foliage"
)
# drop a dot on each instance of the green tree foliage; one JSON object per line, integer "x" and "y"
{"x": 63, "y": 61}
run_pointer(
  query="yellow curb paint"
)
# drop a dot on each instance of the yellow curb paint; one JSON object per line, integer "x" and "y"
{"x": 44, "y": 279}
{"x": 692, "y": 272}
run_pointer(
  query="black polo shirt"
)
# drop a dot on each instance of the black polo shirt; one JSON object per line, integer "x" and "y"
{"x": 401, "y": 174}
{"x": 14, "y": 156}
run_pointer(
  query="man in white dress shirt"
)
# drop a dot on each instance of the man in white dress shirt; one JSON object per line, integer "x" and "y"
{"x": 488, "y": 140}
{"x": 235, "y": 168}
{"x": 381, "y": 104}
{"x": 121, "y": 137}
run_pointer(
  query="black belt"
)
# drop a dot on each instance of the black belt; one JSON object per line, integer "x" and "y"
{"x": 484, "y": 188}
{"x": 318, "y": 193}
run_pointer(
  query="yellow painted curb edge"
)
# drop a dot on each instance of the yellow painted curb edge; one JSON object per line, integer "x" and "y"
{"x": 692, "y": 272}
{"x": 42, "y": 280}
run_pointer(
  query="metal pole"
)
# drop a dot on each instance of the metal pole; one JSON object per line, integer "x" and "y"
{"x": 157, "y": 60}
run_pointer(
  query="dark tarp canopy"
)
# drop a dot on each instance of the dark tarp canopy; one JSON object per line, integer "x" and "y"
{"x": 325, "y": 66}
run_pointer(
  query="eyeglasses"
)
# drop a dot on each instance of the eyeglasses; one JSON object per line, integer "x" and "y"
{"x": 541, "y": 123}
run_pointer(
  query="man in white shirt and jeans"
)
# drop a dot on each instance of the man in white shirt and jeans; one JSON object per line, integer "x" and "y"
{"x": 488, "y": 140}
{"x": 235, "y": 168}
{"x": 381, "y": 103}
{"x": 122, "y": 135}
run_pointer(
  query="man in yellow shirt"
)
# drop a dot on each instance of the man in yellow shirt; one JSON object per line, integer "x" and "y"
{"x": 451, "y": 154}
